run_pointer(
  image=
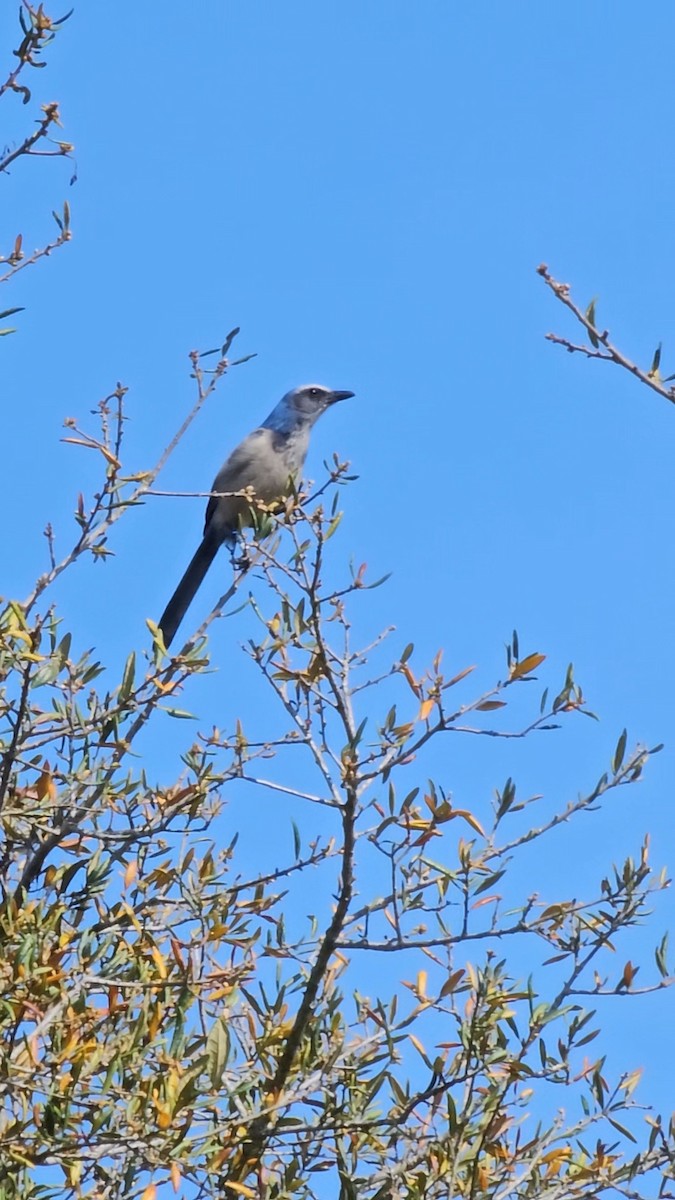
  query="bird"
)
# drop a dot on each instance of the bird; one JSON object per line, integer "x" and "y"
{"x": 269, "y": 460}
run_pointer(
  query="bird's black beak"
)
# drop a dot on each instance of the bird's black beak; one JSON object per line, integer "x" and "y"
{"x": 335, "y": 396}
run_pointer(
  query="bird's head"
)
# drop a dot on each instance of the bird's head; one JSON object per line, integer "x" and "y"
{"x": 302, "y": 406}
{"x": 312, "y": 399}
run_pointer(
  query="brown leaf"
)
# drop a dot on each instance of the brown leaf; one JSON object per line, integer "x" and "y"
{"x": 462, "y": 675}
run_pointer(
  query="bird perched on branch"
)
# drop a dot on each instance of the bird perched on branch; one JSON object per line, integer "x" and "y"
{"x": 269, "y": 460}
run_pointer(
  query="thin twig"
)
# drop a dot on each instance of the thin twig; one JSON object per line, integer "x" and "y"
{"x": 599, "y": 337}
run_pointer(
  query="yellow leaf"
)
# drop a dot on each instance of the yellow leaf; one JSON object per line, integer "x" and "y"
{"x": 160, "y": 963}
{"x": 417, "y": 1044}
{"x": 630, "y": 1082}
{"x": 218, "y": 993}
{"x": 45, "y": 786}
{"x": 421, "y": 985}
{"x": 403, "y": 731}
{"x": 75, "y": 1173}
{"x": 129, "y": 912}
{"x": 70, "y": 1045}
{"x": 470, "y": 820}
{"x": 155, "y": 1020}
{"x": 241, "y": 1189}
{"x": 425, "y": 708}
{"x": 175, "y": 1176}
{"x": 131, "y": 872}
{"x": 561, "y": 1153}
{"x": 150, "y": 1192}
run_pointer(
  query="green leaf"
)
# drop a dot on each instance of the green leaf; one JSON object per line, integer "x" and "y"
{"x": 656, "y": 361}
{"x": 590, "y": 317}
{"x": 660, "y": 955}
{"x": 47, "y": 672}
{"x": 353, "y": 742}
{"x": 489, "y": 882}
{"x": 217, "y": 1052}
{"x": 333, "y": 526}
{"x": 127, "y": 683}
{"x": 617, "y": 759}
{"x": 369, "y": 587}
{"x": 622, "y": 1129}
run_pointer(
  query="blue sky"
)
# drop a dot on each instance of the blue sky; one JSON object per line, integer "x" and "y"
{"x": 367, "y": 190}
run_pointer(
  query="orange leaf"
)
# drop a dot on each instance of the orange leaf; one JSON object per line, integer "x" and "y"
{"x": 175, "y": 1176}
{"x": 425, "y": 708}
{"x": 451, "y": 983}
{"x": 527, "y": 665}
{"x": 177, "y": 954}
{"x": 131, "y": 872}
{"x": 407, "y": 673}
{"x": 150, "y": 1192}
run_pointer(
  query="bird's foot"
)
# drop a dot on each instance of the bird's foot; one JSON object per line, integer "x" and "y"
{"x": 241, "y": 560}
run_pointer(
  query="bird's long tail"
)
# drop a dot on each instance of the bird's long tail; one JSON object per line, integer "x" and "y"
{"x": 185, "y": 592}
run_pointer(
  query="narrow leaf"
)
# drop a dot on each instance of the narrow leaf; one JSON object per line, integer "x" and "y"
{"x": 590, "y": 317}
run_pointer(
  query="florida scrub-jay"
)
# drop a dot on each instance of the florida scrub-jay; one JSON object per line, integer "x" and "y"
{"x": 267, "y": 461}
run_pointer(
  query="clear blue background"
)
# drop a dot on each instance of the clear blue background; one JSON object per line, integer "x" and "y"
{"x": 367, "y": 190}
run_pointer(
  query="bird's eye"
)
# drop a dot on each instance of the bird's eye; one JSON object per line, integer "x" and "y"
{"x": 313, "y": 391}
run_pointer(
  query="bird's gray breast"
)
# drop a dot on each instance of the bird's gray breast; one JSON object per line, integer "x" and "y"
{"x": 291, "y": 448}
